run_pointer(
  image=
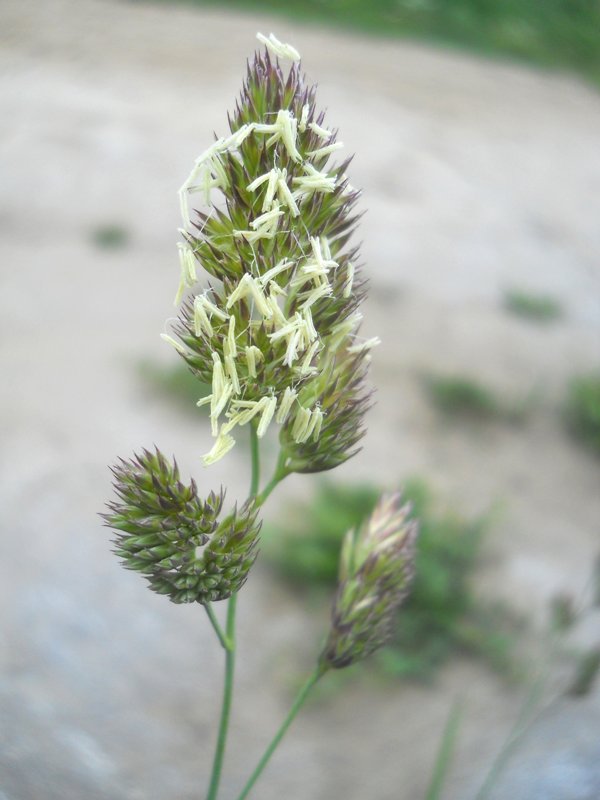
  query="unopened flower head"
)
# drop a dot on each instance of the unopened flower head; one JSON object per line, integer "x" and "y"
{"x": 376, "y": 569}
{"x": 175, "y": 539}
{"x": 276, "y": 332}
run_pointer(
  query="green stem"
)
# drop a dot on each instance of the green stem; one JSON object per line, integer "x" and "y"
{"x": 298, "y": 703}
{"x": 226, "y": 702}
{"x": 228, "y": 642}
{"x": 255, "y": 454}
{"x": 215, "y": 623}
{"x": 280, "y": 473}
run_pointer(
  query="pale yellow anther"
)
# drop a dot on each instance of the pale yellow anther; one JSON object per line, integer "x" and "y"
{"x": 324, "y": 260}
{"x": 285, "y": 405}
{"x": 315, "y": 416}
{"x": 204, "y": 400}
{"x": 288, "y": 329}
{"x": 320, "y": 291}
{"x": 304, "y": 118}
{"x": 174, "y": 343}
{"x": 188, "y": 276}
{"x": 276, "y": 313}
{"x": 313, "y": 181}
{"x": 218, "y": 377}
{"x": 284, "y": 129}
{"x": 264, "y": 226}
{"x": 201, "y": 321}
{"x": 270, "y": 404}
{"x": 284, "y": 194}
{"x": 318, "y": 423}
{"x": 325, "y": 151}
{"x": 321, "y": 132}
{"x": 259, "y": 181}
{"x": 292, "y": 349}
{"x": 275, "y": 290}
{"x": 252, "y": 355}
{"x": 271, "y": 189}
{"x": 232, "y": 373}
{"x": 221, "y": 447}
{"x": 368, "y": 344}
{"x": 248, "y": 286}
{"x": 310, "y": 325}
{"x": 282, "y": 266}
{"x": 231, "y": 337}
{"x": 238, "y": 137}
{"x": 325, "y": 248}
{"x": 266, "y": 219}
{"x": 280, "y": 49}
{"x": 217, "y": 405}
{"x": 301, "y": 423}
{"x": 307, "y": 367}
{"x": 214, "y": 309}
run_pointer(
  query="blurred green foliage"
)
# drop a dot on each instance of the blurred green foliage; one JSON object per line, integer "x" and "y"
{"x": 583, "y": 410}
{"x": 537, "y": 308}
{"x": 442, "y": 615}
{"x": 463, "y": 396}
{"x": 554, "y": 33}
{"x": 110, "y": 237}
{"x": 176, "y": 384}
{"x": 460, "y": 395}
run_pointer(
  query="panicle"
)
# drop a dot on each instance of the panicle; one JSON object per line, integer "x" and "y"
{"x": 269, "y": 214}
{"x": 173, "y": 538}
{"x": 376, "y": 570}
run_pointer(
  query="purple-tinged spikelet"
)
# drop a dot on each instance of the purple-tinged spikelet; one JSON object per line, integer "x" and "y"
{"x": 376, "y": 570}
{"x": 275, "y": 333}
{"x": 166, "y": 532}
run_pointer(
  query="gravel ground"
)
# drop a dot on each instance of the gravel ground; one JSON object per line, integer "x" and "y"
{"x": 477, "y": 176}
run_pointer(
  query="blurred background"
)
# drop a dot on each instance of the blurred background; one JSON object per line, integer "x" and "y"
{"x": 476, "y": 128}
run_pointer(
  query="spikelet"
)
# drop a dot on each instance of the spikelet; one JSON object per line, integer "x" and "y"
{"x": 376, "y": 570}
{"x": 173, "y": 538}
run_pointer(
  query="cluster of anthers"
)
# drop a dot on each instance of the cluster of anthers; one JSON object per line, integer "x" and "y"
{"x": 277, "y": 336}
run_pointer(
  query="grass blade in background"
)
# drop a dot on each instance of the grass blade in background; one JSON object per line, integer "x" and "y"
{"x": 445, "y": 753}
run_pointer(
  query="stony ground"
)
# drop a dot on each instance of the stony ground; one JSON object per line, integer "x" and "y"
{"x": 477, "y": 177}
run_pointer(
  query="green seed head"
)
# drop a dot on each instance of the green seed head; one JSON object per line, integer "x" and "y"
{"x": 176, "y": 540}
{"x": 376, "y": 569}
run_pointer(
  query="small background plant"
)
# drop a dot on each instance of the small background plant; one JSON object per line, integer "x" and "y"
{"x": 540, "y": 308}
{"x": 464, "y": 397}
{"x": 582, "y": 411}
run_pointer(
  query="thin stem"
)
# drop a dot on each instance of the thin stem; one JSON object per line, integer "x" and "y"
{"x": 280, "y": 473}
{"x": 255, "y": 453}
{"x": 226, "y": 702}
{"x": 297, "y": 705}
{"x": 228, "y": 642}
{"x": 445, "y": 753}
{"x": 215, "y": 623}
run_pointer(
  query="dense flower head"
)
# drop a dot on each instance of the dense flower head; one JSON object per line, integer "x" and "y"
{"x": 275, "y": 332}
{"x": 376, "y": 570}
{"x": 175, "y": 539}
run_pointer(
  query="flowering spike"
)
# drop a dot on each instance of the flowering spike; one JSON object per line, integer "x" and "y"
{"x": 279, "y": 328}
{"x": 167, "y": 533}
{"x": 376, "y": 569}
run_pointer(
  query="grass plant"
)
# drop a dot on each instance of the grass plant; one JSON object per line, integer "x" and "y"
{"x": 533, "y": 307}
